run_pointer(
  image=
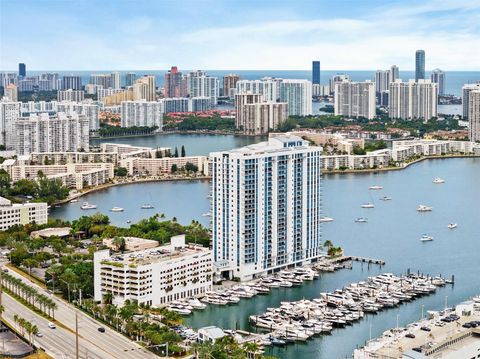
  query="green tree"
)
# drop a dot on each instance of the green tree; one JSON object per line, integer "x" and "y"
{"x": 176, "y": 152}
{"x": 190, "y": 167}
{"x": 120, "y": 172}
{"x": 174, "y": 168}
{"x": 183, "y": 151}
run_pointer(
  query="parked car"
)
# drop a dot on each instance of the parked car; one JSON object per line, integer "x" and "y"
{"x": 410, "y": 335}
{"x": 51, "y": 325}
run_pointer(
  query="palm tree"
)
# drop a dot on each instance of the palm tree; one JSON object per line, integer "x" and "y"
{"x": 2, "y": 309}
{"x": 108, "y": 298}
{"x": 251, "y": 348}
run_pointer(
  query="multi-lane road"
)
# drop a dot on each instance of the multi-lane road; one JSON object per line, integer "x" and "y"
{"x": 60, "y": 342}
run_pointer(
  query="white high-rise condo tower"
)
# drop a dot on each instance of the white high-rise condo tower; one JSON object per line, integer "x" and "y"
{"x": 355, "y": 99}
{"x": 265, "y": 207}
{"x": 474, "y": 115}
{"x": 413, "y": 99}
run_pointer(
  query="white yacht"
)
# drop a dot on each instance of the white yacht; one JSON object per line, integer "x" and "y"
{"x": 426, "y": 238}
{"x": 74, "y": 200}
{"x": 361, "y": 220}
{"x": 452, "y": 226}
{"x": 368, "y": 205}
{"x": 438, "y": 180}
{"x": 206, "y": 214}
{"x": 326, "y": 219}
{"x": 386, "y": 198}
{"x": 86, "y": 205}
{"x": 147, "y": 206}
{"x": 375, "y": 187}
{"x": 423, "y": 208}
{"x": 116, "y": 209}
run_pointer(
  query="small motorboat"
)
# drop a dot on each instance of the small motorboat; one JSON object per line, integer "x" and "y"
{"x": 452, "y": 226}
{"x": 386, "y": 198}
{"x": 375, "y": 187}
{"x": 423, "y": 208}
{"x": 117, "y": 209}
{"x": 147, "y": 206}
{"x": 368, "y": 205}
{"x": 426, "y": 238}
{"x": 86, "y": 206}
{"x": 129, "y": 221}
{"x": 74, "y": 200}
{"x": 438, "y": 180}
{"x": 206, "y": 214}
{"x": 326, "y": 219}
{"x": 361, "y": 220}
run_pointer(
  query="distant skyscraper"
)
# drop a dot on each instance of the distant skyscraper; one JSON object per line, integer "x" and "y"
{"x": 438, "y": 77}
{"x": 266, "y": 206}
{"x": 9, "y": 114}
{"x": 419, "y": 65}
{"x": 316, "y": 72}
{"x": 104, "y": 80}
{"x": 337, "y": 78}
{"x": 355, "y": 99}
{"x": 173, "y": 83}
{"x": 61, "y": 133}
{"x": 144, "y": 88}
{"x": 142, "y": 113}
{"x": 298, "y": 95}
{"x": 413, "y": 99}
{"x": 115, "y": 80}
{"x": 22, "y": 69}
{"x": 474, "y": 115}
{"x": 255, "y": 116}
{"x": 70, "y": 95}
{"x": 11, "y": 91}
{"x": 229, "y": 83}
{"x": 394, "y": 73}
{"x": 466, "y": 89}
{"x": 130, "y": 78}
{"x": 72, "y": 82}
{"x": 199, "y": 84}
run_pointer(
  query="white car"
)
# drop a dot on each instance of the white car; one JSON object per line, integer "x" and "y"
{"x": 51, "y": 325}
{"x": 39, "y": 335}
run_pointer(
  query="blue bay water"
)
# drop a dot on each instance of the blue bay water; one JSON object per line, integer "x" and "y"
{"x": 392, "y": 234}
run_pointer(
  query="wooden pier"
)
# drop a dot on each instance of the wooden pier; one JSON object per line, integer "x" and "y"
{"x": 359, "y": 259}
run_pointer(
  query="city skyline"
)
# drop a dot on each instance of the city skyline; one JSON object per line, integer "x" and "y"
{"x": 224, "y": 35}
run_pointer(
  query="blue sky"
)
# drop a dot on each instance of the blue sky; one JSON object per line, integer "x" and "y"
{"x": 238, "y": 34}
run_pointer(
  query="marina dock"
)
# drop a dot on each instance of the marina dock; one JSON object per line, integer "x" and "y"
{"x": 300, "y": 320}
{"x": 359, "y": 259}
{"x": 453, "y": 332}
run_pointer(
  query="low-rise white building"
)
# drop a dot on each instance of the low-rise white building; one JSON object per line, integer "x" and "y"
{"x": 154, "y": 276}
{"x": 156, "y": 166}
{"x": 73, "y": 175}
{"x": 14, "y": 214}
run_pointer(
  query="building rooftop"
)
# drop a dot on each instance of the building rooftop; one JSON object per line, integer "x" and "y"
{"x": 176, "y": 249}
{"x": 212, "y": 332}
{"x": 50, "y": 232}
{"x": 279, "y": 143}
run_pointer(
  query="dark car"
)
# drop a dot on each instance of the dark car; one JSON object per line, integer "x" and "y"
{"x": 410, "y": 335}
{"x": 101, "y": 330}
{"x": 467, "y": 325}
{"x": 426, "y": 329}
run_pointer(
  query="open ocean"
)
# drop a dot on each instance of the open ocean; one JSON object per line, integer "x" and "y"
{"x": 454, "y": 79}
